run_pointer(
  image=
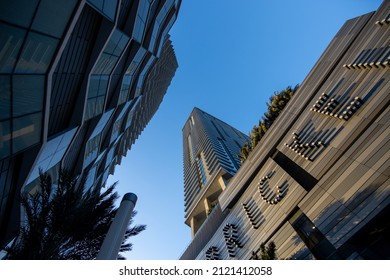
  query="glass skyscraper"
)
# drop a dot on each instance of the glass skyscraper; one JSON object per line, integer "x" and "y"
{"x": 211, "y": 151}
{"x": 79, "y": 81}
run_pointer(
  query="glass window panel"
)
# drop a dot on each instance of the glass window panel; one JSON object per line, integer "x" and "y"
{"x": 102, "y": 123}
{"x": 27, "y": 94}
{"x": 99, "y": 105}
{"x": 66, "y": 138}
{"x": 122, "y": 44}
{"x": 96, "y": 95}
{"x": 11, "y": 39}
{"x": 93, "y": 86}
{"x": 124, "y": 89}
{"x": 126, "y": 82}
{"x": 113, "y": 42}
{"x": 111, "y": 45}
{"x": 101, "y": 65}
{"x": 90, "y": 110}
{"x": 110, "y": 65}
{"x": 5, "y": 97}
{"x": 90, "y": 178}
{"x": 97, "y": 3}
{"x": 37, "y": 53}
{"x": 109, "y": 8}
{"x": 52, "y": 16}
{"x": 154, "y": 36}
{"x": 143, "y": 9}
{"x": 12, "y": 11}
{"x": 26, "y": 131}
{"x": 138, "y": 29}
{"x": 103, "y": 85}
{"x": 136, "y": 61}
{"x": 5, "y": 139}
{"x": 91, "y": 150}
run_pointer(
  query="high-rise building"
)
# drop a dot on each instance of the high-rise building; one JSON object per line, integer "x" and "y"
{"x": 317, "y": 184}
{"x": 79, "y": 81}
{"x": 211, "y": 157}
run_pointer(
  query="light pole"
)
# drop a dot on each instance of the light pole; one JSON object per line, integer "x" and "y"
{"x": 113, "y": 240}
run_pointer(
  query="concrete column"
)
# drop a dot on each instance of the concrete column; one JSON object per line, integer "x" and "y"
{"x": 222, "y": 183}
{"x": 113, "y": 240}
{"x": 206, "y": 206}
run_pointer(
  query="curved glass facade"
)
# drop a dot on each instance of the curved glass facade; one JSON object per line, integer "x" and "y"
{"x": 80, "y": 71}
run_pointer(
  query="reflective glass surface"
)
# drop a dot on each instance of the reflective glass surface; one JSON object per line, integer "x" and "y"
{"x": 91, "y": 150}
{"x": 142, "y": 76}
{"x": 165, "y": 32}
{"x": 27, "y": 94}
{"x": 96, "y": 95}
{"x": 52, "y": 16}
{"x": 107, "y": 7}
{"x": 126, "y": 81}
{"x": 102, "y": 123}
{"x": 140, "y": 22}
{"x": 26, "y": 131}
{"x": 19, "y": 12}
{"x": 37, "y": 53}
{"x": 131, "y": 113}
{"x": 5, "y": 138}
{"x": 90, "y": 178}
{"x": 202, "y": 172}
{"x": 5, "y": 97}
{"x": 100, "y": 74}
{"x": 11, "y": 39}
{"x": 52, "y": 153}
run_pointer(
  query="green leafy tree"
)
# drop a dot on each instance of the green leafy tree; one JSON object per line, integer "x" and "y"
{"x": 265, "y": 252}
{"x": 275, "y": 105}
{"x": 64, "y": 221}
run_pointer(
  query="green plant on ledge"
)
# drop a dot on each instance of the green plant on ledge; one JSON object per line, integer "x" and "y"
{"x": 265, "y": 252}
{"x": 276, "y": 104}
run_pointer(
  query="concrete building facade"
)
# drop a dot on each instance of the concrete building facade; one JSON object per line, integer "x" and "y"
{"x": 79, "y": 81}
{"x": 318, "y": 183}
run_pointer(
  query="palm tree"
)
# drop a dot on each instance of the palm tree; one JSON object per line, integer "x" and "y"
{"x": 66, "y": 222}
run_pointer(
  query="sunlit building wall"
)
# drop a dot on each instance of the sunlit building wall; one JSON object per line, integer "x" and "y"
{"x": 317, "y": 184}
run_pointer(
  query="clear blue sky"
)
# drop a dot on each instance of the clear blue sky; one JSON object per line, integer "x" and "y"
{"x": 232, "y": 56}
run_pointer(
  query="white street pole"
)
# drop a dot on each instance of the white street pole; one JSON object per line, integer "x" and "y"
{"x": 113, "y": 240}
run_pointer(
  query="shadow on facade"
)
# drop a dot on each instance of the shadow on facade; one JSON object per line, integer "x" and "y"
{"x": 357, "y": 228}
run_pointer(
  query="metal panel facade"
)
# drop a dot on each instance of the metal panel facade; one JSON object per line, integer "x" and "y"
{"x": 318, "y": 183}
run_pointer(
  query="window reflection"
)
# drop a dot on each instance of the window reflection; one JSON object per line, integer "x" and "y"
{"x": 313, "y": 238}
{"x": 11, "y": 11}
{"x": 27, "y": 94}
{"x": 93, "y": 143}
{"x": 5, "y": 138}
{"x": 107, "y": 7}
{"x": 36, "y": 54}
{"x": 99, "y": 79}
{"x": 201, "y": 170}
{"x": 5, "y": 97}
{"x": 52, "y": 16}
{"x": 140, "y": 21}
{"x": 142, "y": 76}
{"x": 52, "y": 153}
{"x": 26, "y": 131}
{"x": 11, "y": 39}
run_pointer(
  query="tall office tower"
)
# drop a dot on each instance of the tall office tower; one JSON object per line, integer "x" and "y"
{"x": 211, "y": 157}
{"x": 79, "y": 81}
{"x": 318, "y": 184}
